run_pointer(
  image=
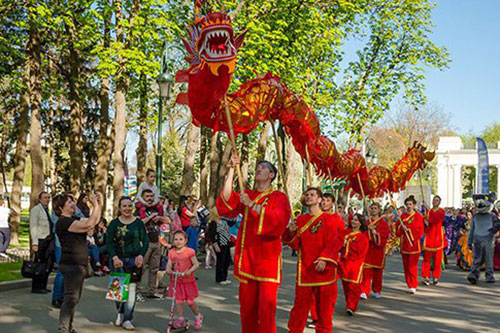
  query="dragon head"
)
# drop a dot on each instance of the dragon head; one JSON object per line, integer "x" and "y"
{"x": 212, "y": 42}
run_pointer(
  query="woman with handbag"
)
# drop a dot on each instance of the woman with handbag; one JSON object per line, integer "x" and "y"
{"x": 72, "y": 233}
{"x": 127, "y": 243}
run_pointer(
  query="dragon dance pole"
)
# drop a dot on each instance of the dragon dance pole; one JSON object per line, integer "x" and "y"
{"x": 421, "y": 186}
{"x": 309, "y": 171}
{"x": 280, "y": 160}
{"x": 402, "y": 224}
{"x": 233, "y": 142}
{"x": 362, "y": 193}
{"x": 333, "y": 190}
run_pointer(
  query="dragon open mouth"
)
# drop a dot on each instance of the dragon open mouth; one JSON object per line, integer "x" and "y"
{"x": 217, "y": 46}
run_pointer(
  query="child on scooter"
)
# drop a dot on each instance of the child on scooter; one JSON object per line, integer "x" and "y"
{"x": 183, "y": 259}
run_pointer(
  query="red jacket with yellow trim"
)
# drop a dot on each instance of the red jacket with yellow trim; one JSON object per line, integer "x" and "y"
{"x": 352, "y": 256}
{"x": 434, "y": 234}
{"x": 258, "y": 245}
{"x": 376, "y": 252}
{"x": 410, "y": 243}
{"x": 316, "y": 238}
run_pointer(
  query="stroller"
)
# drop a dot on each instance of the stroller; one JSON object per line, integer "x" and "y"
{"x": 172, "y": 307}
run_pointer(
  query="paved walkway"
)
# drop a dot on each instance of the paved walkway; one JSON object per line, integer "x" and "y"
{"x": 453, "y": 306}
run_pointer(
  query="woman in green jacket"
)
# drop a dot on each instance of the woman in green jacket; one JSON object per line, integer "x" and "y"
{"x": 127, "y": 243}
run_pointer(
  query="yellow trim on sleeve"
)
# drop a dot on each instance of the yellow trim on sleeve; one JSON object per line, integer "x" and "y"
{"x": 226, "y": 203}
{"x": 261, "y": 220}
{"x": 327, "y": 259}
{"x": 311, "y": 284}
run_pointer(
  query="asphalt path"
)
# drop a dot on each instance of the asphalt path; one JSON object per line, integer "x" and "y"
{"x": 452, "y": 306}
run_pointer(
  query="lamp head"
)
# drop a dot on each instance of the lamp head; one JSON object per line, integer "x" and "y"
{"x": 165, "y": 82}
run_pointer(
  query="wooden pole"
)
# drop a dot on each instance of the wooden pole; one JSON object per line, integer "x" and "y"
{"x": 309, "y": 170}
{"x": 402, "y": 224}
{"x": 421, "y": 186}
{"x": 233, "y": 142}
{"x": 280, "y": 160}
{"x": 334, "y": 193}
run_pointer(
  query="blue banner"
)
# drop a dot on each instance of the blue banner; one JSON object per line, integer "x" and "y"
{"x": 483, "y": 168}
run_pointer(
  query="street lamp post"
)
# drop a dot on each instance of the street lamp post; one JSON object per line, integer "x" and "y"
{"x": 165, "y": 82}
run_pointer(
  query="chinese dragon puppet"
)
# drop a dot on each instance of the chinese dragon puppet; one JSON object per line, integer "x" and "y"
{"x": 212, "y": 49}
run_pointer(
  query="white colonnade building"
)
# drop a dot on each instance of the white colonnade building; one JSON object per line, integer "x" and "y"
{"x": 451, "y": 158}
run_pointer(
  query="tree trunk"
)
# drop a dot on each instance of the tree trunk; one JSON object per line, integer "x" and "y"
{"x": 34, "y": 54}
{"x": 204, "y": 137}
{"x": 122, "y": 84}
{"x": 189, "y": 157}
{"x": 76, "y": 112}
{"x": 142, "y": 148}
{"x": 119, "y": 145}
{"x": 105, "y": 144}
{"x": 19, "y": 162}
{"x": 215, "y": 151}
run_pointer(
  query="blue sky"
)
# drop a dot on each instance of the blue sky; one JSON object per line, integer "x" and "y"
{"x": 470, "y": 89}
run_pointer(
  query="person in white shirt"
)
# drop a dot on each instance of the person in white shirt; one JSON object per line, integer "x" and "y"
{"x": 41, "y": 226}
{"x": 4, "y": 226}
{"x": 150, "y": 185}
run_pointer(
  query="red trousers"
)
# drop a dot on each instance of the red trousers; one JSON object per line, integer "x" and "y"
{"x": 410, "y": 266}
{"x": 314, "y": 312}
{"x": 352, "y": 291}
{"x": 426, "y": 264}
{"x": 372, "y": 276}
{"x": 324, "y": 302}
{"x": 258, "y": 306}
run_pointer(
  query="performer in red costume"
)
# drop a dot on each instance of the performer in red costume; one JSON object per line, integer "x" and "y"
{"x": 378, "y": 233}
{"x": 434, "y": 243}
{"x": 314, "y": 236}
{"x": 411, "y": 228}
{"x": 257, "y": 261}
{"x": 352, "y": 259}
{"x": 327, "y": 205}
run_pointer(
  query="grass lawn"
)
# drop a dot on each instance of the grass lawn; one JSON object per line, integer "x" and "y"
{"x": 24, "y": 230}
{"x": 10, "y": 271}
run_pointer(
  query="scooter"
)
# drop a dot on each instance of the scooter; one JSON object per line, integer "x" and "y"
{"x": 171, "y": 326}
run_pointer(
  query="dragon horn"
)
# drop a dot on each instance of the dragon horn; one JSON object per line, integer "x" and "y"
{"x": 239, "y": 40}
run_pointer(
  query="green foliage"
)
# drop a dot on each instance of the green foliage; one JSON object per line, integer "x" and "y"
{"x": 491, "y": 133}
{"x": 173, "y": 159}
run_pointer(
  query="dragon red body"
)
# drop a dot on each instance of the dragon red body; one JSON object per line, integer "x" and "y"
{"x": 212, "y": 50}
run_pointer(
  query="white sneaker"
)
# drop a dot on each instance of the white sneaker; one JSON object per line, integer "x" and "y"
{"x": 225, "y": 283}
{"x": 128, "y": 325}
{"x": 412, "y": 291}
{"x": 377, "y": 295}
{"x": 119, "y": 320}
{"x": 363, "y": 296}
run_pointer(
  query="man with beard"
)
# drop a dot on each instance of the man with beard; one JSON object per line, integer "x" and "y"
{"x": 151, "y": 214}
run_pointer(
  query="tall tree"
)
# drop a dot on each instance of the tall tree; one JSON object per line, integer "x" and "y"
{"x": 122, "y": 79}
{"x": 35, "y": 61}
{"x": 188, "y": 178}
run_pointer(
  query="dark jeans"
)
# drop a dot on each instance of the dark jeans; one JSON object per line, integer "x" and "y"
{"x": 57, "y": 288}
{"x": 74, "y": 275}
{"x": 222, "y": 265}
{"x": 4, "y": 239}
